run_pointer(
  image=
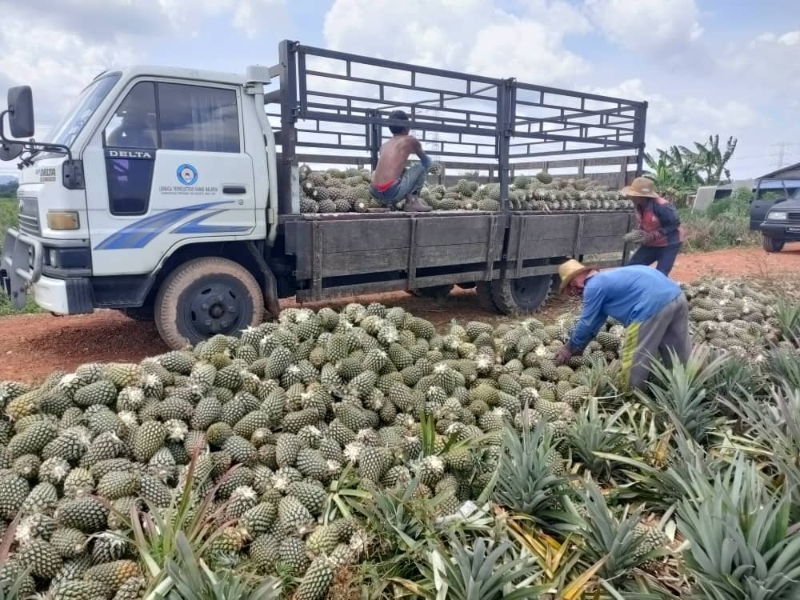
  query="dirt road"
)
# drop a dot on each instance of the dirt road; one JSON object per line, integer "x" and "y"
{"x": 34, "y": 345}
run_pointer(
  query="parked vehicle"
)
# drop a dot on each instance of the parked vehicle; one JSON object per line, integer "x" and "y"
{"x": 775, "y": 211}
{"x": 167, "y": 193}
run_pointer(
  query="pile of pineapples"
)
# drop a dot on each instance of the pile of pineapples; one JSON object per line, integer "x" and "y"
{"x": 365, "y": 448}
{"x": 335, "y": 190}
{"x": 736, "y": 316}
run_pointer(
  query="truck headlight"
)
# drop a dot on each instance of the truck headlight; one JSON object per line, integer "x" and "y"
{"x": 63, "y": 220}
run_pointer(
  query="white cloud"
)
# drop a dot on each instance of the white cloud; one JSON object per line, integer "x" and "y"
{"x": 652, "y": 26}
{"x": 684, "y": 119}
{"x": 56, "y": 63}
{"x": 59, "y": 47}
{"x": 771, "y": 56}
{"x": 526, "y": 50}
{"x": 248, "y": 16}
{"x": 471, "y": 35}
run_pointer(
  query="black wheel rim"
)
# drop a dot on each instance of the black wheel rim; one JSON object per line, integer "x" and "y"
{"x": 528, "y": 290}
{"x": 215, "y": 308}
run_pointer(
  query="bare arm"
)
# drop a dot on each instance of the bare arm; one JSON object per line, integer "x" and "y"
{"x": 416, "y": 148}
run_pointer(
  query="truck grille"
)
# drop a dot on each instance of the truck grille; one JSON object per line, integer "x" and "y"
{"x": 794, "y": 216}
{"x": 29, "y": 215}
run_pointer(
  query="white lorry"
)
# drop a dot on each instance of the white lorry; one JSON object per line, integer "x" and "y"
{"x": 162, "y": 192}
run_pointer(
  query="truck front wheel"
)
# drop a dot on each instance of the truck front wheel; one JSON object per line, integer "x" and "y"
{"x": 205, "y": 297}
{"x": 515, "y": 296}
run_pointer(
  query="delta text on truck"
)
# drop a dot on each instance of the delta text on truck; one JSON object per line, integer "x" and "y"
{"x": 173, "y": 194}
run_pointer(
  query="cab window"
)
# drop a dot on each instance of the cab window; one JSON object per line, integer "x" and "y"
{"x": 134, "y": 124}
{"x": 196, "y": 118}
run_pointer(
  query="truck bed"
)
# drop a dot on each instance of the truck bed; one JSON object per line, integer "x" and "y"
{"x": 353, "y": 253}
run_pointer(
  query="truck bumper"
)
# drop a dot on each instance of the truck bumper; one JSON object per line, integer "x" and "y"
{"x": 21, "y": 275}
{"x": 787, "y": 232}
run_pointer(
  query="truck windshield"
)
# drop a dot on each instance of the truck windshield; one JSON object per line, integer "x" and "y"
{"x": 72, "y": 123}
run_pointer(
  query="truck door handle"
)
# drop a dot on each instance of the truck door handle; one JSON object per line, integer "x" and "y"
{"x": 234, "y": 189}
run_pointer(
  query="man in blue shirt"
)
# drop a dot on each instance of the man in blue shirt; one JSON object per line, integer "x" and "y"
{"x": 651, "y": 306}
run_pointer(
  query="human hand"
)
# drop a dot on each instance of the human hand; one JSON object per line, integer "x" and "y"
{"x": 563, "y": 355}
{"x": 634, "y": 237}
{"x": 649, "y": 238}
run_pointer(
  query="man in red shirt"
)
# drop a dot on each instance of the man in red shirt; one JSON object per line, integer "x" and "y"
{"x": 659, "y": 233}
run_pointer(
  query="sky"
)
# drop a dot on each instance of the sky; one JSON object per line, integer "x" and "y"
{"x": 726, "y": 67}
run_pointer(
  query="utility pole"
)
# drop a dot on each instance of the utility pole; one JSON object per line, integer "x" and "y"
{"x": 782, "y": 146}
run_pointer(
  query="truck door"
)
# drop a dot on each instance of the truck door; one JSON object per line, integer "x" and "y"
{"x": 167, "y": 168}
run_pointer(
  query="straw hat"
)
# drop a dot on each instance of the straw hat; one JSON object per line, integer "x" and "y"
{"x": 568, "y": 271}
{"x": 641, "y": 187}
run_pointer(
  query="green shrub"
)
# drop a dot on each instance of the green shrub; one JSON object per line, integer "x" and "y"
{"x": 724, "y": 224}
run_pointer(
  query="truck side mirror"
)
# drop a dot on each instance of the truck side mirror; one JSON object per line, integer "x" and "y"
{"x": 20, "y": 111}
{"x": 10, "y": 151}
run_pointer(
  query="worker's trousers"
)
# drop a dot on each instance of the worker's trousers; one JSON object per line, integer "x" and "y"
{"x": 645, "y": 341}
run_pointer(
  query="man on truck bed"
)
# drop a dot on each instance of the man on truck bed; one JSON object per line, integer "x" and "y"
{"x": 647, "y": 302}
{"x": 391, "y": 180}
{"x": 659, "y": 233}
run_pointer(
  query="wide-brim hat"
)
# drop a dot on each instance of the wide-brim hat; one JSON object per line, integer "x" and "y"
{"x": 641, "y": 187}
{"x": 568, "y": 271}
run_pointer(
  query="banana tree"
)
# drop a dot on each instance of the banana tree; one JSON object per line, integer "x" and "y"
{"x": 709, "y": 160}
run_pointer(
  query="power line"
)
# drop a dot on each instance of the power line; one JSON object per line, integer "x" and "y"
{"x": 782, "y": 146}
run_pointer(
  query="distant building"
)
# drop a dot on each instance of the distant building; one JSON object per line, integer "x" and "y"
{"x": 786, "y": 178}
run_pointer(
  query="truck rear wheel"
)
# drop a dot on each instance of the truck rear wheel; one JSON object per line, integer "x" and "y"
{"x": 515, "y": 296}
{"x": 205, "y": 297}
{"x": 771, "y": 244}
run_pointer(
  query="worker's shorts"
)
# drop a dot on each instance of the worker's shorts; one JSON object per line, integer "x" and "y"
{"x": 410, "y": 182}
{"x": 666, "y": 330}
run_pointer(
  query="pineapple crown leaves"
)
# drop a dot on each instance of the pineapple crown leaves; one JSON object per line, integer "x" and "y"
{"x": 597, "y": 432}
{"x": 740, "y": 541}
{"x": 344, "y": 496}
{"x": 14, "y": 590}
{"x": 525, "y": 479}
{"x": 614, "y": 539}
{"x": 487, "y": 570}
{"x": 155, "y": 532}
{"x": 684, "y": 393}
{"x": 189, "y": 578}
{"x": 400, "y": 517}
{"x": 774, "y": 426}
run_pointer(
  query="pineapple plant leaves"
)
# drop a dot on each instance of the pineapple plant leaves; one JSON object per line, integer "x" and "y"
{"x": 487, "y": 571}
{"x": 683, "y": 393}
{"x": 740, "y": 544}
{"x": 596, "y": 432}
{"x": 193, "y": 580}
{"x": 526, "y": 481}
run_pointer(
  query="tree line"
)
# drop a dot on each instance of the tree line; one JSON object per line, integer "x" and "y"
{"x": 679, "y": 170}
{"x": 9, "y": 189}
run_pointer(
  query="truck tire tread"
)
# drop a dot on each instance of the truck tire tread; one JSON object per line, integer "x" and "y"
{"x": 503, "y": 296}
{"x": 485, "y": 297}
{"x": 168, "y": 297}
{"x": 771, "y": 245}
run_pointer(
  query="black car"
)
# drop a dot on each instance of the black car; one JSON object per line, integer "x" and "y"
{"x": 776, "y": 213}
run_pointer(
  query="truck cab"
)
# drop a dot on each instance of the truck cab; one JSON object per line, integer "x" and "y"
{"x": 151, "y": 165}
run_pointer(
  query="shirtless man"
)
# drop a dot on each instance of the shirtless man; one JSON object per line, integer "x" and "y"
{"x": 391, "y": 180}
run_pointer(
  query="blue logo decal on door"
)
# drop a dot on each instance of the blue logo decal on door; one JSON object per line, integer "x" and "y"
{"x": 187, "y": 174}
{"x": 142, "y": 232}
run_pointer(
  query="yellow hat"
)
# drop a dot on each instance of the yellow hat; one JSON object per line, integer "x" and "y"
{"x": 641, "y": 187}
{"x": 568, "y": 271}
